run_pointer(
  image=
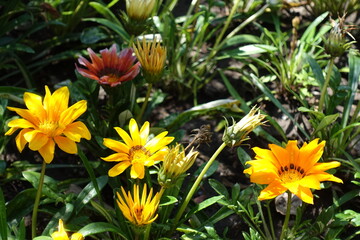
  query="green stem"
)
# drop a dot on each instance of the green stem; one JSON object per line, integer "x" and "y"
{"x": 287, "y": 216}
{"x": 326, "y": 83}
{"x": 147, "y": 232}
{"x": 270, "y": 220}
{"x": 12, "y": 97}
{"x": 37, "y": 200}
{"x": 196, "y": 184}
{"x": 143, "y": 107}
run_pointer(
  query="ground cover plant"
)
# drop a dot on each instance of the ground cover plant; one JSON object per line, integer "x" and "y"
{"x": 146, "y": 119}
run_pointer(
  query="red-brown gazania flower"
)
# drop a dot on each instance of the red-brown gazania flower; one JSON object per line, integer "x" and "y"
{"x": 111, "y": 68}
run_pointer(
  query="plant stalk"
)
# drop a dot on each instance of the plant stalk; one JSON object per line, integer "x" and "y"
{"x": 287, "y": 216}
{"x": 196, "y": 184}
{"x": 37, "y": 200}
{"x": 326, "y": 83}
{"x": 143, "y": 107}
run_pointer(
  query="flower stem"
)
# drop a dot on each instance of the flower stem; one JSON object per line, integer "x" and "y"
{"x": 143, "y": 107}
{"x": 326, "y": 83}
{"x": 37, "y": 200}
{"x": 196, "y": 184}
{"x": 287, "y": 216}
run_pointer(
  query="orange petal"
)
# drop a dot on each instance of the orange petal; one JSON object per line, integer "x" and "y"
{"x": 310, "y": 181}
{"x": 321, "y": 167}
{"x": 77, "y": 130}
{"x": 273, "y": 190}
{"x": 119, "y": 168}
{"x": 38, "y": 141}
{"x": 305, "y": 194}
{"x": 20, "y": 140}
{"x": 73, "y": 112}
{"x": 66, "y": 144}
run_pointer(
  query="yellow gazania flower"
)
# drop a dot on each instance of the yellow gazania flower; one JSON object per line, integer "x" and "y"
{"x": 137, "y": 151}
{"x": 48, "y": 122}
{"x": 139, "y": 210}
{"x": 62, "y": 235}
{"x": 290, "y": 168}
{"x": 139, "y": 10}
{"x": 175, "y": 163}
{"x": 151, "y": 56}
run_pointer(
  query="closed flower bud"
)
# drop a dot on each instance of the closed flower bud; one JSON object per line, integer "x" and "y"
{"x": 237, "y": 133}
{"x": 175, "y": 164}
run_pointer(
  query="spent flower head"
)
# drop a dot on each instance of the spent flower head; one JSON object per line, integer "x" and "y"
{"x": 137, "y": 150}
{"x": 48, "y": 122}
{"x": 139, "y": 209}
{"x": 152, "y": 57}
{"x": 111, "y": 68}
{"x": 237, "y": 133}
{"x": 62, "y": 235}
{"x": 290, "y": 168}
{"x": 175, "y": 163}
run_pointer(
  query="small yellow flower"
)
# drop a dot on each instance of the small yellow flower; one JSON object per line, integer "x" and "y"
{"x": 237, "y": 133}
{"x": 139, "y": 210}
{"x": 49, "y": 121}
{"x": 137, "y": 151}
{"x": 176, "y": 163}
{"x": 62, "y": 235}
{"x": 290, "y": 168}
{"x": 152, "y": 57}
{"x": 139, "y": 10}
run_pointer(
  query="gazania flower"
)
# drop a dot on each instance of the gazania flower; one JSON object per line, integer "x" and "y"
{"x": 137, "y": 151}
{"x": 62, "y": 235}
{"x": 139, "y": 210}
{"x": 152, "y": 57}
{"x": 290, "y": 168}
{"x": 139, "y": 10}
{"x": 175, "y": 164}
{"x": 48, "y": 122}
{"x": 112, "y": 68}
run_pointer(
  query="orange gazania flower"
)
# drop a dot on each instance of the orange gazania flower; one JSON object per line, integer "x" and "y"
{"x": 48, "y": 122}
{"x": 137, "y": 151}
{"x": 139, "y": 209}
{"x": 112, "y": 68}
{"x": 290, "y": 168}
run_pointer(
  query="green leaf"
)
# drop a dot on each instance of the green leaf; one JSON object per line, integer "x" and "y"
{"x": 105, "y": 11}
{"x": 49, "y": 187}
{"x": 64, "y": 213}
{"x": 89, "y": 193}
{"x": 204, "y": 204}
{"x": 241, "y": 39}
{"x": 3, "y": 223}
{"x": 248, "y": 50}
{"x": 326, "y": 121}
{"x": 100, "y": 227}
{"x": 210, "y": 171}
{"x": 219, "y": 188}
{"x": 43, "y": 238}
{"x": 92, "y": 35}
{"x": 317, "y": 71}
{"x": 168, "y": 200}
{"x": 118, "y": 28}
{"x": 21, "y": 204}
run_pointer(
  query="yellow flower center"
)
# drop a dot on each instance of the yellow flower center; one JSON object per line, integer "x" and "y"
{"x": 50, "y": 128}
{"x": 138, "y": 154}
{"x": 291, "y": 173}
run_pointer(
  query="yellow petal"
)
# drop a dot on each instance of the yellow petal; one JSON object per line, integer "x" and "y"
{"x": 20, "y": 123}
{"x": 125, "y": 137}
{"x": 11, "y": 131}
{"x": 310, "y": 181}
{"x": 281, "y": 154}
{"x": 30, "y": 135}
{"x": 77, "y": 130}
{"x": 273, "y": 190}
{"x": 33, "y": 102}
{"x": 26, "y": 114}
{"x": 311, "y": 153}
{"x": 263, "y": 177}
{"x": 77, "y": 236}
{"x": 144, "y": 133}
{"x": 137, "y": 171}
{"x": 321, "y": 167}
{"x": 116, "y": 145}
{"x": 73, "y": 112}
{"x": 20, "y": 140}
{"x": 65, "y": 144}
{"x": 119, "y": 168}
{"x": 328, "y": 177}
{"x": 47, "y": 151}
{"x": 116, "y": 157}
{"x": 134, "y": 132}
{"x": 305, "y": 195}
{"x": 57, "y": 102}
{"x": 38, "y": 141}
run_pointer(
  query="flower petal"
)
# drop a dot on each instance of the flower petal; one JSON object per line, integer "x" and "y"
{"x": 66, "y": 144}
{"x": 56, "y": 103}
{"x": 272, "y": 190}
{"x": 305, "y": 195}
{"x": 144, "y": 133}
{"x": 20, "y": 140}
{"x": 20, "y": 123}
{"x": 73, "y": 112}
{"x": 77, "y": 130}
{"x": 134, "y": 132}
{"x": 38, "y": 141}
{"x": 137, "y": 171}
{"x": 116, "y": 157}
{"x": 119, "y": 168}
{"x": 47, "y": 151}
{"x": 127, "y": 139}
{"x": 116, "y": 145}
